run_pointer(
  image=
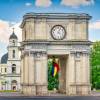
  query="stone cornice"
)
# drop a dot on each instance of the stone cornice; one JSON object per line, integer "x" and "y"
{"x": 80, "y": 84}
{"x": 11, "y": 75}
{"x": 34, "y": 84}
{"x": 36, "y": 54}
{"x": 71, "y": 42}
{"x": 26, "y": 84}
{"x": 54, "y": 16}
{"x": 57, "y": 15}
{"x": 14, "y": 60}
{"x": 79, "y": 51}
{"x": 56, "y": 42}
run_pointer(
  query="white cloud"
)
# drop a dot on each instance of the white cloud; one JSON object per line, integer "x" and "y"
{"x": 28, "y": 4}
{"x": 6, "y": 30}
{"x": 43, "y": 3}
{"x": 76, "y": 3}
{"x": 95, "y": 25}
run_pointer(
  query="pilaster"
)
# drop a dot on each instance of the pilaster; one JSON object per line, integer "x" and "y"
{"x": 41, "y": 70}
{"x": 28, "y": 85}
{"x": 79, "y": 83}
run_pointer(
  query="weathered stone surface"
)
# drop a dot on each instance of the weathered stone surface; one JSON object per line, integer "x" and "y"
{"x": 72, "y": 52}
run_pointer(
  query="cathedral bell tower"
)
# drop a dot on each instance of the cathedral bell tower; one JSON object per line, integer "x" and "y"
{"x": 13, "y": 55}
{"x": 12, "y": 48}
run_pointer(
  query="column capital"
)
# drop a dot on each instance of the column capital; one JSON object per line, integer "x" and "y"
{"x": 82, "y": 52}
{"x": 36, "y": 54}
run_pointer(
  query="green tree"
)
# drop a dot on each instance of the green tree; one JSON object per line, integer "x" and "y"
{"x": 95, "y": 65}
{"x": 52, "y": 81}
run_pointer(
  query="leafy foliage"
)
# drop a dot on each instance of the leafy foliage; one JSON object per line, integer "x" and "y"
{"x": 95, "y": 65}
{"x": 52, "y": 81}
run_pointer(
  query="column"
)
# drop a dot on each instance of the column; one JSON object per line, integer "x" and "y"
{"x": 28, "y": 85}
{"x": 62, "y": 74}
{"x": 31, "y": 79}
{"x": 70, "y": 74}
{"x": 41, "y": 73}
{"x": 24, "y": 76}
{"x": 85, "y": 74}
{"x": 22, "y": 72}
{"x": 78, "y": 73}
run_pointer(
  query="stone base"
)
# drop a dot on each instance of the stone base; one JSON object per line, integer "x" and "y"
{"x": 79, "y": 89}
{"x": 34, "y": 90}
{"x": 62, "y": 91}
{"x": 29, "y": 90}
{"x": 41, "y": 90}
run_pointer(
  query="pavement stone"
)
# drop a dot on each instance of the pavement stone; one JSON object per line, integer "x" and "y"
{"x": 18, "y": 94}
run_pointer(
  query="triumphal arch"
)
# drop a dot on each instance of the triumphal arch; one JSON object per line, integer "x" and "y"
{"x": 64, "y": 35}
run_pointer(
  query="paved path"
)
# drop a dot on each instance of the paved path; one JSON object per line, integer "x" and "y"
{"x": 52, "y": 98}
{"x": 6, "y": 94}
{"x": 18, "y": 94}
{"x": 95, "y": 93}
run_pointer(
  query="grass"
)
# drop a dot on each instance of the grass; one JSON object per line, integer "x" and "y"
{"x": 8, "y": 91}
{"x": 97, "y": 90}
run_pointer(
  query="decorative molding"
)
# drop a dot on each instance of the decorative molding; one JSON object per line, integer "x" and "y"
{"x": 53, "y": 42}
{"x": 26, "y": 84}
{"x": 28, "y": 16}
{"x": 80, "y": 84}
{"x": 39, "y": 54}
{"x": 36, "y": 54}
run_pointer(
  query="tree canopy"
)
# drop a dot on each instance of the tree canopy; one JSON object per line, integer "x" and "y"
{"x": 95, "y": 65}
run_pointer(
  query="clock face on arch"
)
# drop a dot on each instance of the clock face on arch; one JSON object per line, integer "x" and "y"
{"x": 58, "y": 32}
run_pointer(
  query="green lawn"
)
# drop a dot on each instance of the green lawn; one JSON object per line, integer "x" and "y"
{"x": 97, "y": 90}
{"x": 8, "y": 91}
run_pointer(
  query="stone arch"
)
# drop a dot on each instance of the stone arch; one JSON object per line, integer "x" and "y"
{"x": 13, "y": 64}
{"x": 14, "y": 84}
{"x": 13, "y": 81}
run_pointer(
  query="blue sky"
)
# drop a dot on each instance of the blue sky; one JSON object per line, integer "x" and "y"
{"x": 12, "y": 11}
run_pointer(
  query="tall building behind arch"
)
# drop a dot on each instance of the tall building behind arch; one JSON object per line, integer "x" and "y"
{"x": 10, "y": 66}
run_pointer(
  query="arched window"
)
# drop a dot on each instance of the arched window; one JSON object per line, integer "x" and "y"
{"x": 14, "y": 81}
{"x": 13, "y": 68}
{"x": 13, "y": 54}
{"x": 14, "y": 42}
{"x": 13, "y": 64}
{"x": 14, "y": 84}
{"x": 5, "y": 69}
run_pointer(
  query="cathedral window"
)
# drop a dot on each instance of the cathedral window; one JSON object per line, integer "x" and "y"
{"x": 5, "y": 69}
{"x": 14, "y": 42}
{"x": 13, "y": 68}
{"x": 13, "y": 54}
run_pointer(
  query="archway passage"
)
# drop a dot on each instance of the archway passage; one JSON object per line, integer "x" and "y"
{"x": 14, "y": 85}
{"x": 53, "y": 81}
{"x": 57, "y": 83}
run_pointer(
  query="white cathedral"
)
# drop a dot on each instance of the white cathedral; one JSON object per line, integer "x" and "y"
{"x": 10, "y": 66}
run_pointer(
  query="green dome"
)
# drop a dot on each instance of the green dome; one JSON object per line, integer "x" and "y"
{"x": 4, "y": 58}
